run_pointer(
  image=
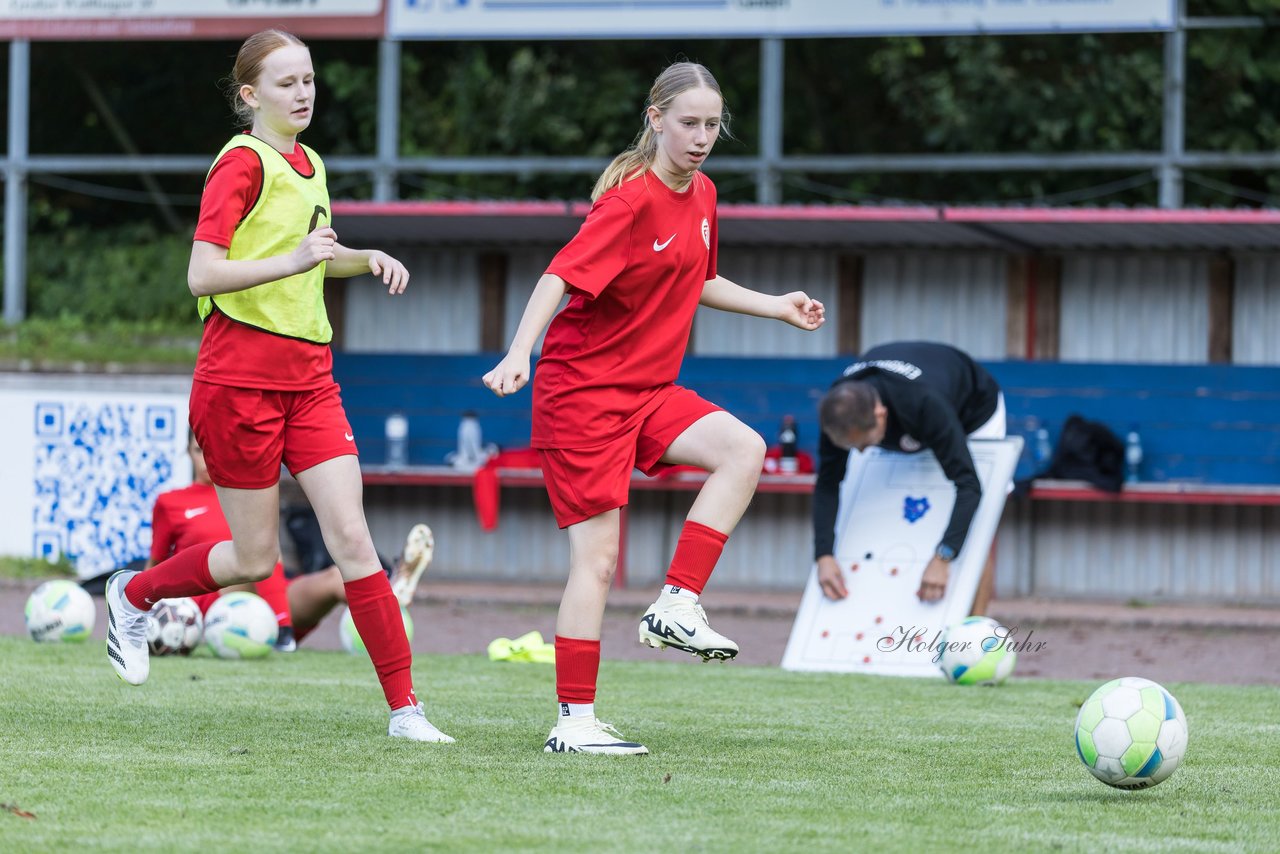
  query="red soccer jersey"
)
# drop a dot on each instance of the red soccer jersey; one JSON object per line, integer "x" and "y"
{"x": 186, "y": 517}
{"x": 635, "y": 270}
{"x": 233, "y": 353}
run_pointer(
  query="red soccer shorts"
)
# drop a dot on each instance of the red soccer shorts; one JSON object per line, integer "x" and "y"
{"x": 585, "y": 482}
{"x": 246, "y": 433}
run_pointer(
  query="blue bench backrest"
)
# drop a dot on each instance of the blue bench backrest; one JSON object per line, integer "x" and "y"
{"x": 1199, "y": 423}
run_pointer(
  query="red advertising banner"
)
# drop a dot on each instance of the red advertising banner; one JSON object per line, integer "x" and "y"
{"x": 89, "y": 20}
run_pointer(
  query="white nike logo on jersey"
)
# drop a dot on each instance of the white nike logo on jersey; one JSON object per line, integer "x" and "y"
{"x": 658, "y": 247}
{"x": 194, "y": 512}
{"x": 350, "y": 438}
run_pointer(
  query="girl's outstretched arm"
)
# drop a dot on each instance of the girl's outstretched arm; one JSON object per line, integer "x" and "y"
{"x": 796, "y": 308}
{"x": 512, "y": 372}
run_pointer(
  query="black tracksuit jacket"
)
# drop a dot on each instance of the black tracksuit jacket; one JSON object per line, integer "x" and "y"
{"x": 936, "y": 395}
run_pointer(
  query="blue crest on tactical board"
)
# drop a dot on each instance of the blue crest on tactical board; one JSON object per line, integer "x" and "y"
{"x": 914, "y": 508}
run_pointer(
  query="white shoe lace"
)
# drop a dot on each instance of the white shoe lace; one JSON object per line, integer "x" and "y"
{"x": 135, "y": 629}
{"x": 694, "y": 609}
{"x": 131, "y": 622}
{"x": 610, "y": 730}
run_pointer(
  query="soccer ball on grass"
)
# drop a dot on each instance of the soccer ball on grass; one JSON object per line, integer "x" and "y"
{"x": 59, "y": 611}
{"x": 174, "y": 626}
{"x": 240, "y": 625}
{"x": 976, "y": 651}
{"x": 1131, "y": 733}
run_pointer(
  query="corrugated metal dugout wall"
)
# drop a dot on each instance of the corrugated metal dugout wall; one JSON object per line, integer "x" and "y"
{"x": 1151, "y": 552}
{"x": 437, "y": 313}
{"x": 720, "y": 333}
{"x": 956, "y": 297}
{"x": 1256, "y": 310}
{"x": 1135, "y": 308}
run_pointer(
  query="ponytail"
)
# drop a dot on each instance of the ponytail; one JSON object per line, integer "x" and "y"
{"x": 632, "y": 163}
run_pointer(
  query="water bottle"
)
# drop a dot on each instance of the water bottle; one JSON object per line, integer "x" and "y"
{"x": 1132, "y": 455}
{"x": 470, "y": 439}
{"x": 1044, "y": 448}
{"x": 787, "y": 439}
{"x": 471, "y": 453}
{"x": 397, "y": 432}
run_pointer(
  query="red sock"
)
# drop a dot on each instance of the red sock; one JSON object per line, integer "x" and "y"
{"x": 275, "y": 589}
{"x": 184, "y": 574}
{"x": 376, "y": 613}
{"x": 697, "y": 551}
{"x": 577, "y": 665}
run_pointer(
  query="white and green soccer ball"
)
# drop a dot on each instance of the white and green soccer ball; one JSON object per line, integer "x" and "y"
{"x": 976, "y": 651}
{"x": 240, "y": 625}
{"x": 351, "y": 638}
{"x": 1131, "y": 733}
{"x": 59, "y": 611}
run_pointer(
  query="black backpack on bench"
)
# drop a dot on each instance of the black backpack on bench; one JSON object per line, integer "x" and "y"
{"x": 1088, "y": 450}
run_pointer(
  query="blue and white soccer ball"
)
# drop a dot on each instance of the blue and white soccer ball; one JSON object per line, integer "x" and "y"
{"x": 240, "y": 625}
{"x": 59, "y": 611}
{"x": 976, "y": 651}
{"x": 1131, "y": 733}
{"x": 350, "y": 638}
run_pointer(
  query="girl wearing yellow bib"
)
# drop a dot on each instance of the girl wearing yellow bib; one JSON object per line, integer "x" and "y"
{"x": 263, "y": 391}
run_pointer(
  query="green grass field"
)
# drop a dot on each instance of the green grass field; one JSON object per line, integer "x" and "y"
{"x": 291, "y": 753}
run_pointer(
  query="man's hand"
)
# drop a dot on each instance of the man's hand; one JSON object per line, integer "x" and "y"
{"x": 933, "y": 584}
{"x": 830, "y": 578}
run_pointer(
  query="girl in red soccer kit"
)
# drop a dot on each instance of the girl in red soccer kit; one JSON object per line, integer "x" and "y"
{"x": 263, "y": 391}
{"x": 605, "y": 400}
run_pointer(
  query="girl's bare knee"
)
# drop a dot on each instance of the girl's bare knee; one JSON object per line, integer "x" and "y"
{"x": 601, "y": 567}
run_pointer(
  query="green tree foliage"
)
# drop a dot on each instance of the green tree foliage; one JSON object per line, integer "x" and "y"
{"x": 130, "y": 272}
{"x": 582, "y": 99}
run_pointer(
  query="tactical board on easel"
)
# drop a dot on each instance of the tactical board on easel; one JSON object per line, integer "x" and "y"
{"x": 894, "y": 509}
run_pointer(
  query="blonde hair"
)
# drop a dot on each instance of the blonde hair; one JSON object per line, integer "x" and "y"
{"x": 248, "y": 68}
{"x": 676, "y": 79}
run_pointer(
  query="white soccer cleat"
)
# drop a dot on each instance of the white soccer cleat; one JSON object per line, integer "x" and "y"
{"x": 585, "y": 734}
{"x": 411, "y": 723}
{"x": 126, "y": 632}
{"x": 680, "y": 623}
{"x": 419, "y": 547}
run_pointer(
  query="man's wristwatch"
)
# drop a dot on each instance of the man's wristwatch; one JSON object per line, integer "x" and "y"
{"x": 946, "y": 553}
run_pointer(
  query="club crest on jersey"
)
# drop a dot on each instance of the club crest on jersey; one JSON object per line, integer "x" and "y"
{"x": 706, "y": 233}
{"x": 910, "y": 444}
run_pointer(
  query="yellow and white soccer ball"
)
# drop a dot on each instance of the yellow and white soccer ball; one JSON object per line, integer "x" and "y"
{"x": 59, "y": 611}
{"x": 351, "y": 638}
{"x": 240, "y": 625}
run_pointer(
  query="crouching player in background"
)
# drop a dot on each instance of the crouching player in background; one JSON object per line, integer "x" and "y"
{"x": 191, "y": 515}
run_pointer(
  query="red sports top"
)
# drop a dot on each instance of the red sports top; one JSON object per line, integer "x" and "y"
{"x": 635, "y": 270}
{"x": 186, "y": 517}
{"x": 232, "y": 353}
